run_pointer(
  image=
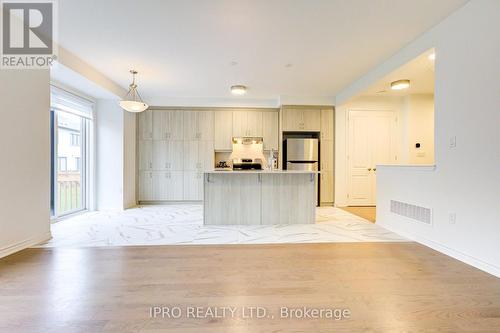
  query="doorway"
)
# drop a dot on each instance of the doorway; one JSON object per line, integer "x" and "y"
{"x": 372, "y": 140}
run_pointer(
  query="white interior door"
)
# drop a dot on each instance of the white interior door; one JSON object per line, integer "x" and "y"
{"x": 372, "y": 141}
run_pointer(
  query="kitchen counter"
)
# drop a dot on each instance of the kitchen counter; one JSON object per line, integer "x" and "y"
{"x": 259, "y": 197}
{"x": 262, "y": 171}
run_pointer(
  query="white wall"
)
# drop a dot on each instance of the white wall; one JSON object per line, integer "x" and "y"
{"x": 466, "y": 180}
{"x": 418, "y": 127}
{"x": 25, "y": 164}
{"x": 129, "y": 160}
{"x": 115, "y": 137}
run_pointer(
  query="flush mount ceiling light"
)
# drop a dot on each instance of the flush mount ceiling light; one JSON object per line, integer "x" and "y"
{"x": 400, "y": 84}
{"x": 238, "y": 90}
{"x": 132, "y": 102}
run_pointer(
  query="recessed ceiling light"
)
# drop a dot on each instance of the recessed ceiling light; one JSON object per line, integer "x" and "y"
{"x": 400, "y": 84}
{"x": 432, "y": 56}
{"x": 238, "y": 89}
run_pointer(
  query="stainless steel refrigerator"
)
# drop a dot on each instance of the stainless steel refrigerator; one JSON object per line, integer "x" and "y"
{"x": 302, "y": 154}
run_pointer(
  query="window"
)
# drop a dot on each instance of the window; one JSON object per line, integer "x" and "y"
{"x": 63, "y": 164}
{"x": 71, "y": 120}
{"x": 77, "y": 163}
{"x": 75, "y": 139}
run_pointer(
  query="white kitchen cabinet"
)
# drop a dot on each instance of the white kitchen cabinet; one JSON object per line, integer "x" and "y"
{"x": 311, "y": 120}
{"x": 198, "y": 155}
{"x": 167, "y": 185}
{"x": 301, "y": 119}
{"x": 159, "y": 125}
{"x": 145, "y": 155}
{"x": 292, "y": 119}
{"x": 167, "y": 155}
{"x": 205, "y": 125}
{"x": 191, "y": 155}
{"x": 270, "y": 130}
{"x": 168, "y": 125}
{"x": 326, "y": 187}
{"x": 176, "y": 186}
{"x": 193, "y": 185}
{"x": 146, "y": 125}
{"x": 206, "y": 155}
{"x": 326, "y": 154}
{"x": 327, "y": 175}
{"x": 254, "y": 123}
{"x": 159, "y": 186}
{"x": 198, "y": 125}
{"x": 145, "y": 185}
{"x": 160, "y": 155}
{"x": 223, "y": 133}
{"x": 327, "y": 124}
{"x": 190, "y": 124}
{"x": 240, "y": 123}
{"x": 175, "y": 155}
{"x": 247, "y": 123}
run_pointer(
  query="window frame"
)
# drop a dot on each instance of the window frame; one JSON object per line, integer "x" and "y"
{"x": 86, "y": 139}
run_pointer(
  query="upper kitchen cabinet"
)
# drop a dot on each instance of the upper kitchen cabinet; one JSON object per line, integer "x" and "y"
{"x": 199, "y": 125}
{"x": 167, "y": 125}
{"x": 206, "y": 125}
{"x": 327, "y": 124}
{"x": 247, "y": 123}
{"x": 146, "y": 125}
{"x": 223, "y": 130}
{"x": 301, "y": 119}
{"x": 270, "y": 130}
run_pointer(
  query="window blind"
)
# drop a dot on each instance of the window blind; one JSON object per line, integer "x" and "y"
{"x": 63, "y": 100}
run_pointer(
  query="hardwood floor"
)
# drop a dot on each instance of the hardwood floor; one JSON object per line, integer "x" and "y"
{"x": 367, "y": 212}
{"x": 387, "y": 287}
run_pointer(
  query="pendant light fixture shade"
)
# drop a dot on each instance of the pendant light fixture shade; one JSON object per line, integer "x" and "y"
{"x": 132, "y": 102}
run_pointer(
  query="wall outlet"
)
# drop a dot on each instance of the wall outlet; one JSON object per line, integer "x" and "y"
{"x": 452, "y": 218}
{"x": 453, "y": 142}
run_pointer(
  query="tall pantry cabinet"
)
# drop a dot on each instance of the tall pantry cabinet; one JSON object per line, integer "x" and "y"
{"x": 174, "y": 149}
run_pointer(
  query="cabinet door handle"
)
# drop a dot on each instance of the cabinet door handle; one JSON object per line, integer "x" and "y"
{"x": 369, "y": 169}
{"x": 151, "y": 165}
{"x": 374, "y": 169}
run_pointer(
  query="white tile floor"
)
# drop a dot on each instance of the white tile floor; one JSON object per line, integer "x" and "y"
{"x": 183, "y": 224}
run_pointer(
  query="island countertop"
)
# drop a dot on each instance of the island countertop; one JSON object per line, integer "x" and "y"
{"x": 262, "y": 171}
{"x": 259, "y": 197}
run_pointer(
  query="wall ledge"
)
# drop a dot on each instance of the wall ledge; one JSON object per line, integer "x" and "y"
{"x": 32, "y": 241}
{"x": 407, "y": 167}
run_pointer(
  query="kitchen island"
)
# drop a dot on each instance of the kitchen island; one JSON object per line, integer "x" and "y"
{"x": 259, "y": 197}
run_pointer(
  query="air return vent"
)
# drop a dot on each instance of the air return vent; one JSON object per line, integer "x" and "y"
{"x": 413, "y": 212}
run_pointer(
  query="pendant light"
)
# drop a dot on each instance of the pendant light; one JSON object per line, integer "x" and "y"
{"x": 132, "y": 102}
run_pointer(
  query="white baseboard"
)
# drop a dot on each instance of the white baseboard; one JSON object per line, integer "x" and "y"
{"x": 477, "y": 263}
{"x": 5, "y": 251}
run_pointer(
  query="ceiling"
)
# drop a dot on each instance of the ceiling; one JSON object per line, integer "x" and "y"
{"x": 420, "y": 72}
{"x": 198, "y": 49}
